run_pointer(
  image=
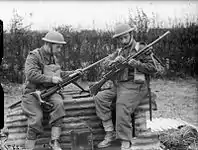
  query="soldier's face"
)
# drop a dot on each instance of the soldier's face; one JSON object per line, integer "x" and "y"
{"x": 56, "y": 48}
{"x": 125, "y": 39}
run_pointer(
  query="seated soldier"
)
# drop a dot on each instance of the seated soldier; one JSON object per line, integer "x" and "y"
{"x": 130, "y": 88}
{"x": 43, "y": 71}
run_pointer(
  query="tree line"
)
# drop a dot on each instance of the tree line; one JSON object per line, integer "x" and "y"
{"x": 178, "y": 51}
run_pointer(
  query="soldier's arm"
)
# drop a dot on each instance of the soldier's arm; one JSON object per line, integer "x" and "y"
{"x": 33, "y": 70}
{"x": 109, "y": 59}
{"x": 145, "y": 63}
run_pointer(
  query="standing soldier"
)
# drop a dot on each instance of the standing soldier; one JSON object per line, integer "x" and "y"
{"x": 43, "y": 71}
{"x": 130, "y": 88}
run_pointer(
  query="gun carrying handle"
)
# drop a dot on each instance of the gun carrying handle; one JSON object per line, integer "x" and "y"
{"x": 37, "y": 95}
{"x": 92, "y": 90}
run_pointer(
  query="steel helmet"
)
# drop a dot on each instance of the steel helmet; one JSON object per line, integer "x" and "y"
{"x": 54, "y": 37}
{"x": 121, "y": 29}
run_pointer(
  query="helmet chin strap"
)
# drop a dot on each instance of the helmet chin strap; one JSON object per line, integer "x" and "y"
{"x": 51, "y": 54}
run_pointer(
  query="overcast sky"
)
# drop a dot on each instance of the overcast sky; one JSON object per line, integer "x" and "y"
{"x": 89, "y": 14}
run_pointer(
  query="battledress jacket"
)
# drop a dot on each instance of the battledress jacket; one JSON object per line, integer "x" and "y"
{"x": 34, "y": 66}
{"x": 146, "y": 66}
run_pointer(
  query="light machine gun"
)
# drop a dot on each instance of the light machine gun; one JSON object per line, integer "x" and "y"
{"x": 120, "y": 66}
{"x": 42, "y": 95}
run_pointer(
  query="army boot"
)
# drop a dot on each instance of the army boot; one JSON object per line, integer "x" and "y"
{"x": 109, "y": 137}
{"x": 110, "y": 134}
{"x": 55, "y": 135}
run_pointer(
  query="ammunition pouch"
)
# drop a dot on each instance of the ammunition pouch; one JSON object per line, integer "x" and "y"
{"x": 139, "y": 77}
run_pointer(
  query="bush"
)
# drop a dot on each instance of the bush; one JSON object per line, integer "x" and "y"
{"x": 88, "y": 46}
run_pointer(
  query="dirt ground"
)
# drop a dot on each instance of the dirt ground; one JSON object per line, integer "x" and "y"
{"x": 175, "y": 99}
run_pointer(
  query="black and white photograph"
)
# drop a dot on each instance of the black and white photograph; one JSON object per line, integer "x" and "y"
{"x": 99, "y": 75}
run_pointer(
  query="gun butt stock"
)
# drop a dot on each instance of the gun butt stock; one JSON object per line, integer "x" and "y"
{"x": 94, "y": 89}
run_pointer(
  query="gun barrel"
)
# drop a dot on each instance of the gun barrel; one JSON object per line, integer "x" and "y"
{"x": 90, "y": 66}
{"x": 162, "y": 36}
{"x": 146, "y": 48}
{"x": 95, "y": 88}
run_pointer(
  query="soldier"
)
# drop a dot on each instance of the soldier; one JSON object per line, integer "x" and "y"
{"x": 130, "y": 88}
{"x": 43, "y": 71}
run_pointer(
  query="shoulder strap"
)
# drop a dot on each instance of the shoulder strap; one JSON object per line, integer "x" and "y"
{"x": 41, "y": 58}
{"x": 154, "y": 61}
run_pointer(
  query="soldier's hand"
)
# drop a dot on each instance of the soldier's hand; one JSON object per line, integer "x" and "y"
{"x": 56, "y": 80}
{"x": 134, "y": 63}
{"x": 118, "y": 59}
{"x": 78, "y": 71}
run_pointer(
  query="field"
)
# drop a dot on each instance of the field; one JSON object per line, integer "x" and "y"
{"x": 175, "y": 99}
